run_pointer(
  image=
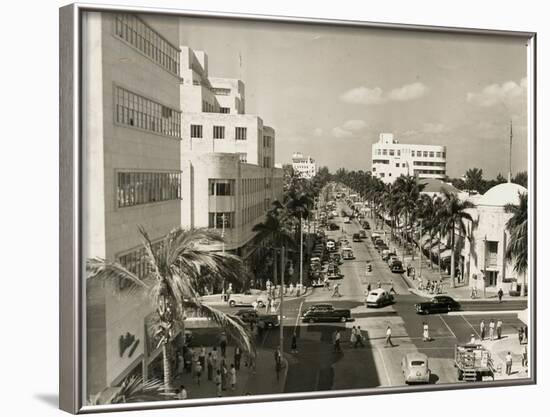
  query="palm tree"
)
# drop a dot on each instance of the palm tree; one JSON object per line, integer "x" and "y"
{"x": 517, "y": 226}
{"x": 428, "y": 211}
{"x": 132, "y": 390}
{"x": 474, "y": 180}
{"x": 177, "y": 265}
{"x": 453, "y": 216}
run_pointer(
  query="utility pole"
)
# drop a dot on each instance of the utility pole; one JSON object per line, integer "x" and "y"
{"x": 281, "y": 330}
{"x": 301, "y": 252}
{"x": 420, "y": 254}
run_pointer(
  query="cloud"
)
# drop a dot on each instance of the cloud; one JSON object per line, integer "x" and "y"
{"x": 318, "y": 132}
{"x": 503, "y": 93}
{"x": 363, "y": 95}
{"x": 354, "y": 125}
{"x": 408, "y": 92}
{"x": 434, "y": 128}
{"x": 366, "y": 95}
{"x": 338, "y": 132}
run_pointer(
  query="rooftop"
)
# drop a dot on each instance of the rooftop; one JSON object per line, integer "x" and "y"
{"x": 502, "y": 194}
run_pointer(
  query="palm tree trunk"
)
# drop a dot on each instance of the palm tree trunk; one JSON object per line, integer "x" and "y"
{"x": 453, "y": 256}
{"x": 430, "y": 251}
{"x": 439, "y": 251}
{"x": 523, "y": 289}
{"x": 166, "y": 367}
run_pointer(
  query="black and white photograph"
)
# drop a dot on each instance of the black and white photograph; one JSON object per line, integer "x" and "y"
{"x": 274, "y": 208}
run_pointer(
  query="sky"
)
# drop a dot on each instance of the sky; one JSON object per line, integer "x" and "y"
{"x": 329, "y": 91}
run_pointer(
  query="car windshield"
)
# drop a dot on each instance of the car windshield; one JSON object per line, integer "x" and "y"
{"x": 417, "y": 363}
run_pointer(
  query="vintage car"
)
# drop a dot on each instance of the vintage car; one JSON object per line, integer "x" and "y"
{"x": 248, "y": 298}
{"x": 326, "y": 315}
{"x": 362, "y": 233}
{"x": 438, "y": 304}
{"x": 347, "y": 220}
{"x": 356, "y": 237}
{"x": 253, "y": 316}
{"x": 333, "y": 226}
{"x": 397, "y": 267}
{"x": 415, "y": 368}
{"x": 347, "y": 254}
{"x": 379, "y": 298}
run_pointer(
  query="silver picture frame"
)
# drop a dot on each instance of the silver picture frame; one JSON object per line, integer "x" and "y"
{"x": 72, "y": 357}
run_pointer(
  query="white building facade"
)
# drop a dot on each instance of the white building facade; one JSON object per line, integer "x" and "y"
{"x": 391, "y": 159}
{"x": 304, "y": 166}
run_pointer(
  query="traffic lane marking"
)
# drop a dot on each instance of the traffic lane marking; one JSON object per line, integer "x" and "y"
{"x": 446, "y": 325}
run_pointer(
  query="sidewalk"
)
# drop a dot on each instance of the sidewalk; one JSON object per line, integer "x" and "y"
{"x": 461, "y": 291}
{"x": 262, "y": 380}
{"x": 499, "y": 349}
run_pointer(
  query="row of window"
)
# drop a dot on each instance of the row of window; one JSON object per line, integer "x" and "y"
{"x": 142, "y": 37}
{"x": 136, "y": 261}
{"x": 252, "y": 213}
{"x": 267, "y": 141}
{"x": 134, "y": 188}
{"x": 428, "y": 171}
{"x": 221, "y": 220}
{"x": 221, "y": 91}
{"x": 218, "y": 132}
{"x": 243, "y": 157}
{"x": 429, "y": 164}
{"x": 134, "y": 110}
{"x": 208, "y": 107}
{"x": 381, "y": 161}
{"x": 267, "y": 162}
{"x": 221, "y": 187}
{"x": 397, "y": 152}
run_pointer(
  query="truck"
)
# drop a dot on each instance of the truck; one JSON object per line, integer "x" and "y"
{"x": 473, "y": 362}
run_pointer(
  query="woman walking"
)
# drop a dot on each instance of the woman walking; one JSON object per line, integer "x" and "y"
{"x": 426, "y": 332}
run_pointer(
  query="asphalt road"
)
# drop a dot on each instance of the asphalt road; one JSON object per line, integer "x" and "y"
{"x": 316, "y": 367}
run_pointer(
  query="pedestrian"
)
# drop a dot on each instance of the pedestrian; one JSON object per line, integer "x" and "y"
{"x": 210, "y": 366}
{"x": 353, "y": 337}
{"x": 368, "y": 288}
{"x": 492, "y": 329}
{"x": 525, "y": 334}
{"x": 520, "y": 335}
{"x": 379, "y": 284}
{"x": 223, "y": 343}
{"x": 233, "y": 377}
{"x": 388, "y": 337}
{"x": 335, "y": 291}
{"x": 180, "y": 363}
{"x": 255, "y": 305}
{"x": 188, "y": 359}
{"x": 391, "y": 288}
{"x": 472, "y": 339}
{"x": 218, "y": 382}
{"x": 358, "y": 337}
{"x": 500, "y": 294}
{"x": 278, "y": 357}
{"x": 294, "y": 343}
{"x": 509, "y": 364}
{"x": 499, "y": 329}
{"x": 237, "y": 357}
{"x": 337, "y": 337}
{"x": 223, "y": 371}
{"x": 182, "y": 394}
{"x": 425, "y": 332}
{"x": 202, "y": 356}
{"x": 524, "y": 356}
{"x": 198, "y": 372}
{"x": 482, "y": 330}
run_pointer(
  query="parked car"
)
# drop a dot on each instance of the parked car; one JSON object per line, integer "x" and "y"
{"x": 362, "y": 233}
{"x": 387, "y": 255}
{"x": 327, "y": 315}
{"x": 331, "y": 245}
{"x": 247, "y": 298}
{"x": 333, "y": 226}
{"x": 252, "y": 316}
{"x": 392, "y": 259}
{"x": 319, "y": 307}
{"x": 379, "y": 298}
{"x": 438, "y": 304}
{"x": 356, "y": 237}
{"x": 397, "y": 267}
{"x": 366, "y": 225}
{"x": 347, "y": 220}
{"x": 415, "y": 368}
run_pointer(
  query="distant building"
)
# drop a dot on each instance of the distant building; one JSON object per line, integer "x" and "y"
{"x": 304, "y": 166}
{"x": 391, "y": 159}
{"x": 228, "y": 176}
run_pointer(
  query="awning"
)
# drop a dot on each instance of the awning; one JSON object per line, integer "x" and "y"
{"x": 446, "y": 254}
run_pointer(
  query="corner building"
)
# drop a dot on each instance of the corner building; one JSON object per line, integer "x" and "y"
{"x": 132, "y": 175}
{"x": 391, "y": 159}
{"x": 227, "y": 159}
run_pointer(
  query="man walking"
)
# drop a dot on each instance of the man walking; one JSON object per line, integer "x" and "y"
{"x": 482, "y": 330}
{"x": 237, "y": 358}
{"x": 358, "y": 337}
{"x": 388, "y": 337}
{"x": 499, "y": 329}
{"x": 337, "y": 347}
{"x": 509, "y": 364}
{"x": 223, "y": 343}
{"x": 210, "y": 366}
{"x": 391, "y": 288}
{"x": 294, "y": 344}
{"x": 500, "y": 294}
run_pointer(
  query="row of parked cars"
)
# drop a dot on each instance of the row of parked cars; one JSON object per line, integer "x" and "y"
{"x": 394, "y": 263}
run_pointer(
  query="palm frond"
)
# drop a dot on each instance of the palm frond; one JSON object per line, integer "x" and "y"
{"x": 114, "y": 276}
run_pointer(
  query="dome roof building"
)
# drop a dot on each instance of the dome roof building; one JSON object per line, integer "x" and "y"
{"x": 501, "y": 195}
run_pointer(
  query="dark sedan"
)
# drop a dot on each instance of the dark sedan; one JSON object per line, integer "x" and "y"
{"x": 438, "y": 304}
{"x": 327, "y": 315}
{"x": 333, "y": 226}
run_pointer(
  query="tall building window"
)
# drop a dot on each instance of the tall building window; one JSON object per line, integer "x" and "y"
{"x": 196, "y": 131}
{"x": 443, "y": 154}
{"x": 219, "y": 132}
{"x": 221, "y": 220}
{"x": 398, "y": 152}
{"x": 134, "y": 110}
{"x": 438, "y": 154}
{"x": 431, "y": 154}
{"x": 391, "y": 152}
{"x": 221, "y": 91}
{"x": 135, "y": 188}
{"x": 412, "y": 153}
{"x": 384, "y": 151}
{"x": 224, "y": 109}
{"x": 240, "y": 133}
{"x": 221, "y": 187}
{"x": 243, "y": 157}
{"x": 141, "y": 36}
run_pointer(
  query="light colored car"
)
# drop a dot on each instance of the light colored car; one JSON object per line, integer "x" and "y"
{"x": 379, "y": 297}
{"x": 347, "y": 254}
{"x": 347, "y": 220}
{"x": 247, "y": 298}
{"x": 331, "y": 245}
{"x": 415, "y": 368}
